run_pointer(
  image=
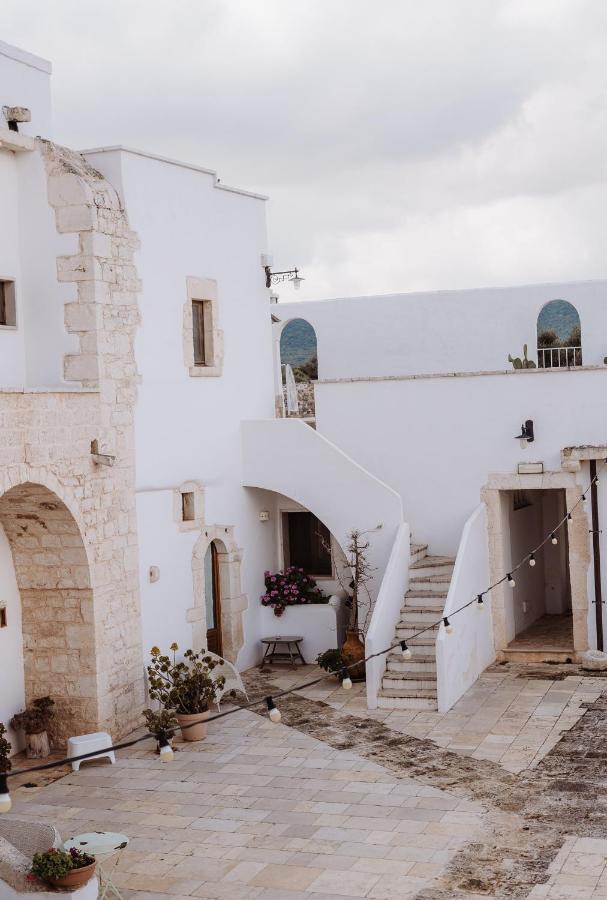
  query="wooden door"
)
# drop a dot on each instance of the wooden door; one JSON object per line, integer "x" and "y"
{"x": 213, "y": 600}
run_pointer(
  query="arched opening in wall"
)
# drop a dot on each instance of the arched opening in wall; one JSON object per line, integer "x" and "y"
{"x": 219, "y": 604}
{"x": 53, "y": 579}
{"x": 299, "y": 368}
{"x": 559, "y": 336}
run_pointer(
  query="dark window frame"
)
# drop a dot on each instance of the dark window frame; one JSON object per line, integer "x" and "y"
{"x": 199, "y": 336}
{"x": 305, "y": 543}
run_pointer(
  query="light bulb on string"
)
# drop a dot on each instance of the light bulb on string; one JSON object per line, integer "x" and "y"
{"x": 584, "y": 498}
{"x": 164, "y": 746}
{"x": 554, "y": 538}
{"x": 479, "y": 602}
{"x": 275, "y": 715}
{"x": 597, "y": 480}
{"x": 448, "y": 625}
{"x": 346, "y": 681}
{"x": 404, "y": 650}
{"x": 532, "y": 559}
{"x": 511, "y": 580}
{"x": 5, "y": 797}
{"x": 569, "y": 517}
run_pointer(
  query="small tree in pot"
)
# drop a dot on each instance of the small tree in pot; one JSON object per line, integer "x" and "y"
{"x": 186, "y": 687}
{"x": 34, "y": 722}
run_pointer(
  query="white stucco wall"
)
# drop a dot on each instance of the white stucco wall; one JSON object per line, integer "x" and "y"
{"x": 25, "y": 81}
{"x": 444, "y": 331}
{"x": 12, "y": 695}
{"x": 187, "y": 428}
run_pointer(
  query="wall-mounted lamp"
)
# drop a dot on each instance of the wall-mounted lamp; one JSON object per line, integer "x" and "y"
{"x": 278, "y": 277}
{"x": 526, "y": 435}
{"x": 101, "y": 459}
{"x": 264, "y": 515}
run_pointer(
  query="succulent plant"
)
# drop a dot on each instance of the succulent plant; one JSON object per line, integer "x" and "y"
{"x": 524, "y": 363}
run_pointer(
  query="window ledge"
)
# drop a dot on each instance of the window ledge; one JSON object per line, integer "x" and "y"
{"x": 205, "y": 371}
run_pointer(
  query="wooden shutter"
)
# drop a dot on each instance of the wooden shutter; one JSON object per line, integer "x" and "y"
{"x": 198, "y": 332}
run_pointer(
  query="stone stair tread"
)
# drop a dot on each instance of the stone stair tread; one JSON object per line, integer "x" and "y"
{"x": 397, "y": 656}
{"x": 422, "y": 594}
{"x": 433, "y": 561}
{"x": 427, "y": 693}
{"x": 410, "y": 676}
{"x": 431, "y": 579}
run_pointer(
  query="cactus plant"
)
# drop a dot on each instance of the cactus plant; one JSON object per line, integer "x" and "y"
{"x": 524, "y": 363}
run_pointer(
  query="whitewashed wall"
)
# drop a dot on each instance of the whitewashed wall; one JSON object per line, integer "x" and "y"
{"x": 12, "y": 694}
{"x": 187, "y": 428}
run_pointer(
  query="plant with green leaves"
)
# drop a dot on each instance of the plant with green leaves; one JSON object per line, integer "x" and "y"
{"x": 185, "y": 687}
{"x": 36, "y": 718}
{"x": 524, "y": 363}
{"x": 160, "y": 722}
{"x": 55, "y": 863}
{"x": 5, "y": 749}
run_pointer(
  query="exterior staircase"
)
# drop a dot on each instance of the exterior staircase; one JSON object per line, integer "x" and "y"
{"x": 411, "y": 683}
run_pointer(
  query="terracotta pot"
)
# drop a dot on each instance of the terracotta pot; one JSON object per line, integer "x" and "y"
{"x": 353, "y": 651}
{"x": 37, "y": 745}
{"x": 196, "y": 732}
{"x": 76, "y": 878}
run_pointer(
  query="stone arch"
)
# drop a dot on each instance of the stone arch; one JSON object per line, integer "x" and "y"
{"x": 233, "y": 601}
{"x": 54, "y": 581}
{"x": 559, "y": 335}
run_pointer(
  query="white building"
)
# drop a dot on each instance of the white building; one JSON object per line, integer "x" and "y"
{"x": 136, "y": 329}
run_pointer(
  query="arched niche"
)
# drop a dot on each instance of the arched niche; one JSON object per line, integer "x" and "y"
{"x": 559, "y": 336}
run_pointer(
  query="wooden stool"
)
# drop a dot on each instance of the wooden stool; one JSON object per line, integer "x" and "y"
{"x": 292, "y": 643}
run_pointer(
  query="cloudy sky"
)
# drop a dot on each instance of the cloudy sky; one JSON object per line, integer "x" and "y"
{"x": 405, "y": 145}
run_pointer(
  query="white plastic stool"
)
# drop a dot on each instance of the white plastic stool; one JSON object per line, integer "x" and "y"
{"x": 87, "y": 743}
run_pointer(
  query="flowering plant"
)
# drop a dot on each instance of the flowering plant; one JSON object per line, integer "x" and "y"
{"x": 185, "y": 687}
{"x": 290, "y": 588}
{"x": 56, "y": 863}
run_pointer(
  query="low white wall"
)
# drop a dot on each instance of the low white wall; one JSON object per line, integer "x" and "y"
{"x": 464, "y": 654}
{"x": 386, "y": 612}
{"x": 88, "y": 892}
{"x": 317, "y": 623}
{"x": 289, "y": 457}
{"x": 12, "y": 687}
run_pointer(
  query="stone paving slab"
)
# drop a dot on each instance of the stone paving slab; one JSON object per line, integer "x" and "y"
{"x": 260, "y": 811}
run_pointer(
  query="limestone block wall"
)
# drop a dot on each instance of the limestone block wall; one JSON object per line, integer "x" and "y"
{"x": 71, "y": 523}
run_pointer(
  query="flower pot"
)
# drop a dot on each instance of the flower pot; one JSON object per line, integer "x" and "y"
{"x": 37, "y": 745}
{"x": 76, "y": 878}
{"x": 353, "y": 651}
{"x": 191, "y": 732}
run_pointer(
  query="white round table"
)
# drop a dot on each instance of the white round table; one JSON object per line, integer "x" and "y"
{"x": 100, "y": 843}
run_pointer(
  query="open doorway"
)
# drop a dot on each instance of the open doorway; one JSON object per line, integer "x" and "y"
{"x": 538, "y": 613}
{"x": 212, "y": 594}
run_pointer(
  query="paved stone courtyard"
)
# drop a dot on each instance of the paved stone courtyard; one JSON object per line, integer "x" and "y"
{"x": 335, "y": 803}
{"x": 507, "y": 716}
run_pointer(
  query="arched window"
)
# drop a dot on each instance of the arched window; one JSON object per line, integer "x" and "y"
{"x": 299, "y": 367}
{"x": 559, "y": 336}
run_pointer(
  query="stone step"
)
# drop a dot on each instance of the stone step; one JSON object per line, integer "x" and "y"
{"x": 418, "y": 615}
{"x": 424, "y": 601}
{"x": 433, "y": 584}
{"x": 417, "y": 664}
{"x": 412, "y": 700}
{"x": 418, "y": 552}
{"x": 408, "y": 682}
{"x": 406, "y": 632}
{"x": 432, "y": 565}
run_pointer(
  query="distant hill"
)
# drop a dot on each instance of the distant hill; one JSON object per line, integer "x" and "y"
{"x": 297, "y": 343}
{"x": 559, "y": 316}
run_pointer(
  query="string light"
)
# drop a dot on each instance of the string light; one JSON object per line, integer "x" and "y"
{"x": 584, "y": 498}
{"x": 5, "y": 797}
{"x": 346, "y": 681}
{"x": 404, "y": 650}
{"x": 275, "y": 715}
{"x": 448, "y": 625}
{"x": 166, "y": 751}
{"x": 532, "y": 559}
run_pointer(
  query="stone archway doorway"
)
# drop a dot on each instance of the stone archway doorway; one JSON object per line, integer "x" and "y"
{"x": 54, "y": 583}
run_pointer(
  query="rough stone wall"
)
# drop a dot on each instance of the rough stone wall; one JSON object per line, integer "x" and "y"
{"x": 305, "y": 397}
{"x": 83, "y": 631}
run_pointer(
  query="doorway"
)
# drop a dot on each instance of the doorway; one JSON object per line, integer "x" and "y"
{"x": 212, "y": 593}
{"x": 538, "y": 612}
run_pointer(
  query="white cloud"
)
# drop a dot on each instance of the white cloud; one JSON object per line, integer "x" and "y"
{"x": 404, "y": 144}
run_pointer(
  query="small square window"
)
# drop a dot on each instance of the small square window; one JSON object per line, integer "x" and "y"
{"x": 187, "y": 506}
{"x": 3, "y": 621}
{"x": 7, "y": 303}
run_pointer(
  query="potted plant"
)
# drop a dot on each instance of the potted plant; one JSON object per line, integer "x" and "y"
{"x": 161, "y": 723}
{"x": 5, "y": 766}
{"x": 290, "y": 588}
{"x": 358, "y": 603}
{"x": 34, "y": 722}
{"x": 187, "y": 687}
{"x": 331, "y": 661}
{"x": 64, "y": 868}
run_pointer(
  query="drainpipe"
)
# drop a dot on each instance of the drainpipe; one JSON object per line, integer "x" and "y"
{"x": 596, "y": 550}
